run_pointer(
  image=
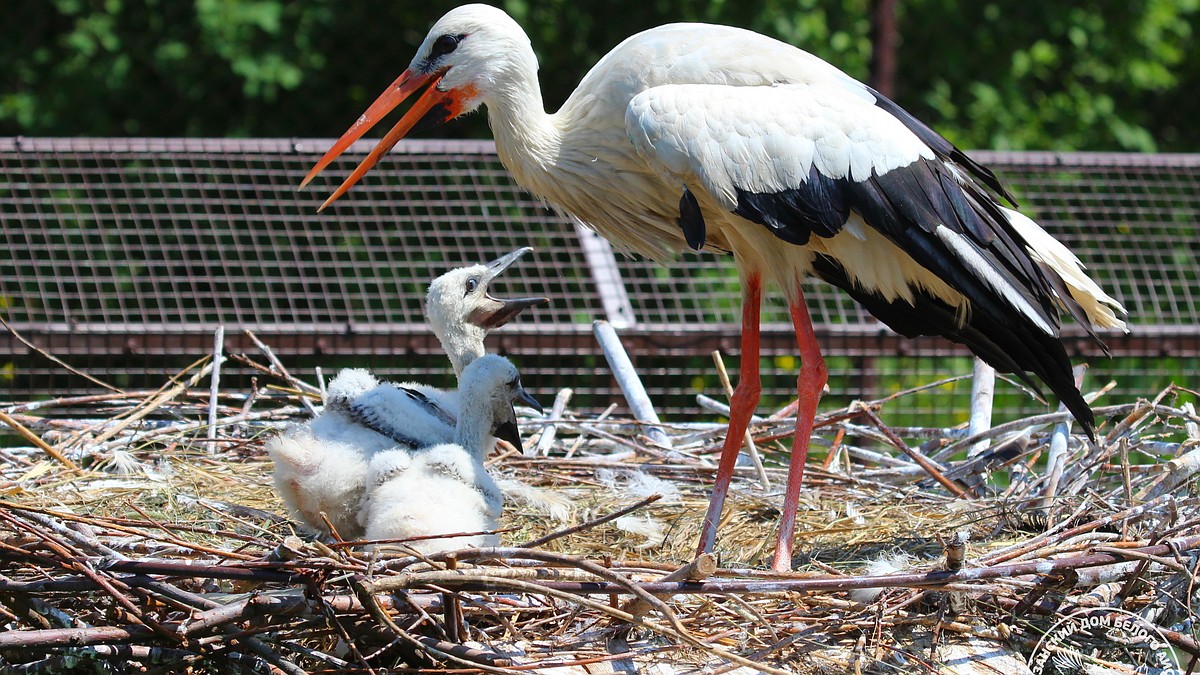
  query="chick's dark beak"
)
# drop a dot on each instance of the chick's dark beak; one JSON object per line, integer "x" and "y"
{"x": 528, "y": 399}
{"x": 500, "y": 311}
{"x": 503, "y": 311}
{"x": 507, "y": 431}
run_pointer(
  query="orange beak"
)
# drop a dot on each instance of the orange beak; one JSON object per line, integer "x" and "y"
{"x": 431, "y": 109}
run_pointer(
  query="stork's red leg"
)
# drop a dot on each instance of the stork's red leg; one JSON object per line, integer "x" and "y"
{"x": 741, "y": 408}
{"x": 811, "y": 382}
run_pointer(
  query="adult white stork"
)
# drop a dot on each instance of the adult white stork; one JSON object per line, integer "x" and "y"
{"x": 694, "y": 135}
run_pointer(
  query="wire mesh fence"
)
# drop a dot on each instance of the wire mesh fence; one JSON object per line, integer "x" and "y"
{"x": 123, "y": 255}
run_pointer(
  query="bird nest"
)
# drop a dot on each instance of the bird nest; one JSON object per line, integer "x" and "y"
{"x": 139, "y": 532}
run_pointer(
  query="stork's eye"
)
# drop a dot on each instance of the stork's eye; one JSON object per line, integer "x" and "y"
{"x": 472, "y": 284}
{"x": 444, "y": 45}
{"x": 515, "y": 382}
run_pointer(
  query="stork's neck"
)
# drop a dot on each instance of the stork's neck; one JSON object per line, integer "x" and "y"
{"x": 462, "y": 348}
{"x": 527, "y": 138}
{"x": 474, "y": 429}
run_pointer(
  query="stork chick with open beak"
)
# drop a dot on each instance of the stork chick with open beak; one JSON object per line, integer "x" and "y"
{"x": 321, "y": 466}
{"x": 461, "y": 312}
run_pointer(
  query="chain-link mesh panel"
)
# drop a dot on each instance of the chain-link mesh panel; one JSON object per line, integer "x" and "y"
{"x": 124, "y": 254}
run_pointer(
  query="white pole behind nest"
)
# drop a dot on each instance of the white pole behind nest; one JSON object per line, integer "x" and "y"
{"x": 983, "y": 390}
{"x": 215, "y": 385}
{"x": 627, "y": 378}
{"x": 550, "y": 430}
{"x": 1056, "y": 456}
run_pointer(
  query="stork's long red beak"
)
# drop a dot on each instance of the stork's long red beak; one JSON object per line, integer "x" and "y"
{"x": 431, "y": 109}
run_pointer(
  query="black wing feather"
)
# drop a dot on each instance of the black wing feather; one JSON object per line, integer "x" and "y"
{"x": 817, "y": 206}
{"x": 691, "y": 220}
{"x": 368, "y": 418}
{"x": 1006, "y": 345}
{"x": 431, "y": 406}
{"x": 944, "y": 148}
{"x": 908, "y": 205}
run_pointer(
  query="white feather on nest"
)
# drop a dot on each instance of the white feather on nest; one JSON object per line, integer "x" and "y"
{"x": 551, "y": 503}
{"x": 894, "y": 562}
{"x": 123, "y": 462}
{"x": 653, "y": 530}
{"x": 638, "y": 484}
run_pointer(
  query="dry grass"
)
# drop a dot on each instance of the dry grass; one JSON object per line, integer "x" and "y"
{"x": 91, "y": 545}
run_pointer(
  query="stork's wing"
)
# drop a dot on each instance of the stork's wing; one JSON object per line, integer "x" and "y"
{"x": 400, "y": 414}
{"x": 799, "y": 158}
{"x": 425, "y": 396}
{"x": 802, "y": 159}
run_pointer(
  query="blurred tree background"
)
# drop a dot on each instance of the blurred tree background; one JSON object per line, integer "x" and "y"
{"x": 1106, "y": 75}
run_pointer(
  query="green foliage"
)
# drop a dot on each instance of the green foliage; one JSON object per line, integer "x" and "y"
{"x": 156, "y": 67}
{"x": 1102, "y": 76}
{"x": 1112, "y": 75}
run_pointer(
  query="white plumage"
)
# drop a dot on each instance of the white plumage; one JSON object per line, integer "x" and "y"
{"x": 430, "y": 492}
{"x": 316, "y": 475}
{"x": 321, "y": 466}
{"x": 733, "y": 137}
{"x": 652, "y": 530}
{"x": 1098, "y": 305}
{"x": 893, "y": 562}
{"x": 554, "y": 504}
{"x": 699, "y": 135}
{"x": 638, "y": 485}
{"x": 445, "y": 489}
{"x": 462, "y": 311}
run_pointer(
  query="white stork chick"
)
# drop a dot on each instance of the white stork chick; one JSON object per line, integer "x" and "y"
{"x": 443, "y": 490}
{"x": 461, "y": 312}
{"x": 316, "y": 476}
{"x": 321, "y": 466}
{"x": 418, "y": 495}
{"x": 689, "y": 135}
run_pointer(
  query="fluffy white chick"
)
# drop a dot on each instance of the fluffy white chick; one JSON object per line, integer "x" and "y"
{"x": 322, "y": 465}
{"x": 427, "y": 493}
{"x": 315, "y": 475}
{"x": 445, "y": 489}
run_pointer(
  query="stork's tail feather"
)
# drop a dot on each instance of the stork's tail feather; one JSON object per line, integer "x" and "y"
{"x": 1010, "y": 344}
{"x": 1100, "y": 308}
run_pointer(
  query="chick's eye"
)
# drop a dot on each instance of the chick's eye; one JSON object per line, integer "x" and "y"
{"x": 472, "y": 284}
{"x": 444, "y": 45}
